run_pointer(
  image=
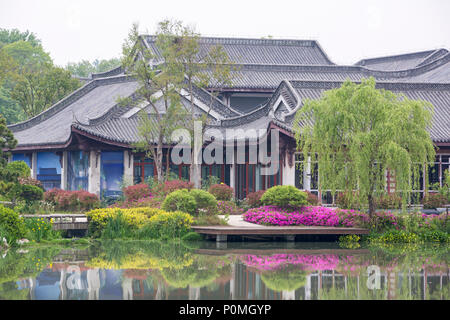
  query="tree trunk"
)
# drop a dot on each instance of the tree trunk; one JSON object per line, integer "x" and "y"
{"x": 371, "y": 201}
{"x": 158, "y": 159}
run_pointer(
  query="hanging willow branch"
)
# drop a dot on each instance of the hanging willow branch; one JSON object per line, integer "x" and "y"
{"x": 357, "y": 133}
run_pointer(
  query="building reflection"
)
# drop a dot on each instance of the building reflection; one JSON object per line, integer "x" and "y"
{"x": 76, "y": 281}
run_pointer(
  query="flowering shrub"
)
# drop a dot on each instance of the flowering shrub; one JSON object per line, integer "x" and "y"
{"x": 254, "y": 198}
{"x": 228, "y": 208}
{"x": 71, "y": 200}
{"x": 39, "y": 229}
{"x": 135, "y": 218}
{"x": 167, "y": 225}
{"x": 352, "y": 218}
{"x": 284, "y": 196}
{"x": 136, "y": 192}
{"x": 221, "y": 191}
{"x": 307, "y": 216}
{"x": 434, "y": 200}
{"x": 385, "y": 220}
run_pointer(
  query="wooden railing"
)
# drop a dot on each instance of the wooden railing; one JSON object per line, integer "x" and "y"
{"x": 61, "y": 221}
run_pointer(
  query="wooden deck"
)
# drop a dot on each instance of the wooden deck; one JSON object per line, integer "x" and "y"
{"x": 222, "y": 232}
{"x": 63, "y": 221}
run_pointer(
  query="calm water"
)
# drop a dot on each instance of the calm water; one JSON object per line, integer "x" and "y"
{"x": 151, "y": 270}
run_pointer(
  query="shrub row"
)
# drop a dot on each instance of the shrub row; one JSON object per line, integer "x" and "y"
{"x": 72, "y": 200}
{"x": 138, "y": 222}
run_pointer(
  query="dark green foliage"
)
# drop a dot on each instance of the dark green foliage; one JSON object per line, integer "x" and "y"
{"x": 12, "y": 224}
{"x": 180, "y": 200}
{"x": 205, "y": 201}
{"x": 192, "y": 236}
{"x": 7, "y": 141}
{"x": 284, "y": 196}
{"x": 18, "y": 169}
{"x": 30, "y": 193}
{"x": 117, "y": 228}
{"x": 434, "y": 236}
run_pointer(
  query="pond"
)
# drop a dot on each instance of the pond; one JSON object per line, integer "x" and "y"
{"x": 117, "y": 270}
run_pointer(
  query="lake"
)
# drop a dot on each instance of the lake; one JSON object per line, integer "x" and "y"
{"x": 116, "y": 270}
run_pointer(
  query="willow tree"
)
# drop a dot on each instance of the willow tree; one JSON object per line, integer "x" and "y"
{"x": 357, "y": 132}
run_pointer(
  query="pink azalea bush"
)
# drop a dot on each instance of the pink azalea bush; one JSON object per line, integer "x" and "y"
{"x": 307, "y": 216}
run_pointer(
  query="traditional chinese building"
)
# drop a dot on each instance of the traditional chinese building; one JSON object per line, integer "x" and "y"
{"x": 85, "y": 140}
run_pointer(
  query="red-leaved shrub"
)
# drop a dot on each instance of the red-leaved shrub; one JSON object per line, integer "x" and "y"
{"x": 136, "y": 192}
{"x": 221, "y": 191}
{"x": 71, "y": 200}
{"x": 312, "y": 199}
{"x": 254, "y": 198}
{"x": 172, "y": 185}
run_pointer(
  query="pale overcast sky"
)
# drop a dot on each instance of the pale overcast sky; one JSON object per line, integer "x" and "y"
{"x": 348, "y": 30}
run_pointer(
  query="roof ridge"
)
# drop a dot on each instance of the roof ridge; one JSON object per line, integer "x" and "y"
{"x": 428, "y": 59}
{"x": 249, "y": 40}
{"x": 394, "y": 57}
{"x": 401, "y": 85}
{"x": 353, "y": 68}
{"x": 112, "y": 72}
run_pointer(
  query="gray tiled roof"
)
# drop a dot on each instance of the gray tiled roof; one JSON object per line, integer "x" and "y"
{"x": 437, "y": 94}
{"x": 402, "y": 61}
{"x": 90, "y": 101}
{"x": 268, "y": 77}
{"x": 262, "y": 51}
{"x": 265, "y": 64}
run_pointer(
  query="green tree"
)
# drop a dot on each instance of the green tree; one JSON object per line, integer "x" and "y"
{"x": 357, "y": 132}
{"x": 84, "y": 68}
{"x": 31, "y": 82}
{"x": 157, "y": 95}
{"x": 202, "y": 69}
{"x": 38, "y": 90}
{"x": 7, "y": 142}
{"x": 14, "y": 35}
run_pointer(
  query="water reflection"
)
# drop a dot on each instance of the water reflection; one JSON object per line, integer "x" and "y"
{"x": 153, "y": 270}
